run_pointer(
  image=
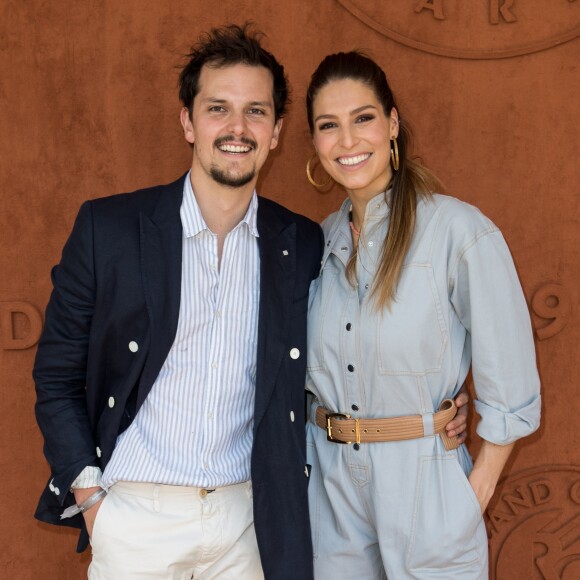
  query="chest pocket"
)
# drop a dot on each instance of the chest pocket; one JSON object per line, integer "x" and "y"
{"x": 412, "y": 337}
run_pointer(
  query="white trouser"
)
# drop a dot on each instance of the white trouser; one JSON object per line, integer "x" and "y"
{"x": 144, "y": 530}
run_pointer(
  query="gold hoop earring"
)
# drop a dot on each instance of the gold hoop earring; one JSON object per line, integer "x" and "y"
{"x": 394, "y": 154}
{"x": 311, "y": 179}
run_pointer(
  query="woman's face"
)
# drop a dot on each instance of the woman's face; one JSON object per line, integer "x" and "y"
{"x": 352, "y": 136}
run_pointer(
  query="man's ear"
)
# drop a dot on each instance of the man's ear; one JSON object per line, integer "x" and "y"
{"x": 187, "y": 125}
{"x": 276, "y": 133}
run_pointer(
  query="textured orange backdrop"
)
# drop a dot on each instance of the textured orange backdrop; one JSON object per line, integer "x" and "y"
{"x": 88, "y": 107}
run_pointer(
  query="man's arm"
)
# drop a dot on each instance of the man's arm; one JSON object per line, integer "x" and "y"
{"x": 61, "y": 361}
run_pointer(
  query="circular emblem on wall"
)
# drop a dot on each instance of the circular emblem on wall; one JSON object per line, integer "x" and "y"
{"x": 534, "y": 525}
{"x": 478, "y": 29}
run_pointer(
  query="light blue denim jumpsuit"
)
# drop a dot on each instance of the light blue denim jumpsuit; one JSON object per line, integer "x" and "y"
{"x": 405, "y": 509}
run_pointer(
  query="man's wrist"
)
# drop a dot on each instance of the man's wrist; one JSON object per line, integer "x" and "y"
{"x": 87, "y": 503}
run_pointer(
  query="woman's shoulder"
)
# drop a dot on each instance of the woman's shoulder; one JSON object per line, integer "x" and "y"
{"x": 455, "y": 215}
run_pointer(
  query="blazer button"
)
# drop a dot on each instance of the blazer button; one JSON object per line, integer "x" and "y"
{"x": 133, "y": 346}
{"x": 99, "y": 452}
{"x": 294, "y": 353}
{"x": 56, "y": 491}
{"x": 51, "y": 486}
{"x": 111, "y": 402}
{"x": 292, "y": 416}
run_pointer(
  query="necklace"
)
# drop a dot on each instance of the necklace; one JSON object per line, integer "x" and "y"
{"x": 352, "y": 228}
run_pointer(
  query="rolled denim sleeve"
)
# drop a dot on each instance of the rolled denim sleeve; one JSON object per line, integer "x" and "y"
{"x": 489, "y": 301}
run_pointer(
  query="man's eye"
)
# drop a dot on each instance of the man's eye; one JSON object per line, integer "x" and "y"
{"x": 216, "y": 109}
{"x": 256, "y": 112}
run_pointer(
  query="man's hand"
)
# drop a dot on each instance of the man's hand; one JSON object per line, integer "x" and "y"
{"x": 82, "y": 495}
{"x": 459, "y": 424}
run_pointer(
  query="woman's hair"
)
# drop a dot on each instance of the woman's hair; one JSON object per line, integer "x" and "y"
{"x": 409, "y": 182}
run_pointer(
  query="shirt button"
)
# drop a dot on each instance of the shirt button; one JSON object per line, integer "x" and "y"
{"x": 202, "y": 492}
{"x": 294, "y": 353}
{"x": 111, "y": 402}
{"x": 371, "y": 244}
{"x": 292, "y": 416}
{"x": 354, "y": 407}
{"x": 214, "y": 365}
{"x": 99, "y": 453}
{"x": 348, "y": 326}
{"x": 218, "y": 313}
{"x": 350, "y": 368}
{"x": 133, "y": 346}
{"x": 366, "y": 286}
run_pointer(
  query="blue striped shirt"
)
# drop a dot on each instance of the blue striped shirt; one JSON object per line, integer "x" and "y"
{"x": 195, "y": 426}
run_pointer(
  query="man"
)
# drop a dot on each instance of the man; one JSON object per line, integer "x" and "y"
{"x": 171, "y": 367}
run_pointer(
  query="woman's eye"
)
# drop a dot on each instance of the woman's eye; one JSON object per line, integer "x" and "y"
{"x": 325, "y": 126}
{"x": 364, "y": 118}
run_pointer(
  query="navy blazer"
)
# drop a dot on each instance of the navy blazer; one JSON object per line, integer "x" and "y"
{"x": 118, "y": 281}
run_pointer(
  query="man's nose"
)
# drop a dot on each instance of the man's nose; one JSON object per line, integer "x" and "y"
{"x": 237, "y": 123}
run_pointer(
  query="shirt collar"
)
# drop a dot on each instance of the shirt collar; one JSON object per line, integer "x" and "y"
{"x": 339, "y": 239}
{"x": 193, "y": 222}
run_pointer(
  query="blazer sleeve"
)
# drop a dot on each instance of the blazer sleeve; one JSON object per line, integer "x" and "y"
{"x": 60, "y": 367}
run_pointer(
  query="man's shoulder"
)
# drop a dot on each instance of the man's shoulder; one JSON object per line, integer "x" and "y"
{"x": 137, "y": 200}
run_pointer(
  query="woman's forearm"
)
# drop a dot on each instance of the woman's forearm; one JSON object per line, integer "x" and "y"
{"x": 487, "y": 470}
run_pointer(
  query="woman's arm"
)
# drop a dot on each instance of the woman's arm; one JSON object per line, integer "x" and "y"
{"x": 487, "y": 469}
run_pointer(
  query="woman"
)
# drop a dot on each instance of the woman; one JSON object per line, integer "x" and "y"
{"x": 415, "y": 288}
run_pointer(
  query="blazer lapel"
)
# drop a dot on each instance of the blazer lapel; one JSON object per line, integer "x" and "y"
{"x": 161, "y": 252}
{"x": 277, "y": 243}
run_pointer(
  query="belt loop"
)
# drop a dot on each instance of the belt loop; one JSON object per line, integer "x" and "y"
{"x": 357, "y": 431}
{"x": 428, "y": 424}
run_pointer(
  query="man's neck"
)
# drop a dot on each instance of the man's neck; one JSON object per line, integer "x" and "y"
{"x": 222, "y": 207}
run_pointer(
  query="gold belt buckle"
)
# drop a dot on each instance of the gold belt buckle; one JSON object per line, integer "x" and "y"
{"x": 329, "y": 436}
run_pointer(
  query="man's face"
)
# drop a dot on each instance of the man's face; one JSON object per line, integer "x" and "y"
{"x": 232, "y": 126}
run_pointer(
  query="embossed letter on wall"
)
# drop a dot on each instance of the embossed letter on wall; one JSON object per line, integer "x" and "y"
{"x": 536, "y": 522}
{"x": 20, "y": 325}
{"x": 478, "y": 29}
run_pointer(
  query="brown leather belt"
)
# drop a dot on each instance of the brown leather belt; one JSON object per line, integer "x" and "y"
{"x": 342, "y": 428}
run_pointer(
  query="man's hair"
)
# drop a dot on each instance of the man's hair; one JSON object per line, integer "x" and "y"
{"x": 227, "y": 46}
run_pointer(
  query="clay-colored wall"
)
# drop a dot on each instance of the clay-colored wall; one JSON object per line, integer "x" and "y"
{"x": 88, "y": 107}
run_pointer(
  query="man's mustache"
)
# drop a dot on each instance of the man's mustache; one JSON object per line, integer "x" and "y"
{"x": 229, "y": 138}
